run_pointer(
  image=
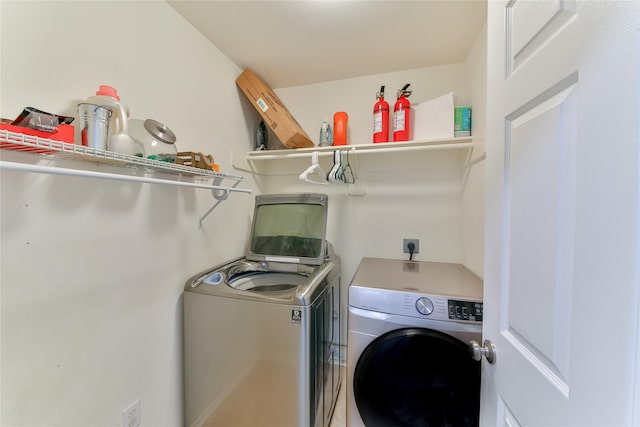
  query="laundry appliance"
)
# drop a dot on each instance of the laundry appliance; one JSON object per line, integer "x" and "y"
{"x": 262, "y": 332}
{"x": 408, "y": 358}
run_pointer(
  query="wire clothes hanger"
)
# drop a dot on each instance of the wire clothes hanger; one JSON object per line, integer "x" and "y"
{"x": 341, "y": 172}
{"x": 347, "y": 171}
{"x": 332, "y": 176}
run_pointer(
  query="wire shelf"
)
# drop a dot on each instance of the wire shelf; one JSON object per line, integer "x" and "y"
{"x": 58, "y": 149}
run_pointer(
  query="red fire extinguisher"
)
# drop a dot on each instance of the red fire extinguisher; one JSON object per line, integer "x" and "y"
{"x": 402, "y": 115}
{"x": 381, "y": 118}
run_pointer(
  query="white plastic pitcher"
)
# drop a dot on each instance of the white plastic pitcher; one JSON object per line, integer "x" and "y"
{"x": 119, "y": 140}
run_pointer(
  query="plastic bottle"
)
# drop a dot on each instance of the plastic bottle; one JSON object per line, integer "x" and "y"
{"x": 340, "y": 121}
{"x": 119, "y": 140}
{"x": 326, "y": 137}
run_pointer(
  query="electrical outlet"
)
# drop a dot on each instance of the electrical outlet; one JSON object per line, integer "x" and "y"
{"x": 405, "y": 246}
{"x": 131, "y": 415}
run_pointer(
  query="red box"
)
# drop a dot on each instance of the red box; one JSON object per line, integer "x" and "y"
{"x": 35, "y": 141}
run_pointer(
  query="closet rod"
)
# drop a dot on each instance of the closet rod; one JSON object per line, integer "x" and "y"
{"x": 21, "y": 167}
{"x": 358, "y": 151}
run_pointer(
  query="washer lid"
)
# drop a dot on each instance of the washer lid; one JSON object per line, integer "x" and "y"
{"x": 289, "y": 228}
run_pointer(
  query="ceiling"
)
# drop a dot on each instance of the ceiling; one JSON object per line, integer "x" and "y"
{"x": 293, "y": 43}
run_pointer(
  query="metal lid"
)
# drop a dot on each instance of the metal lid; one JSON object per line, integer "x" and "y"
{"x": 159, "y": 131}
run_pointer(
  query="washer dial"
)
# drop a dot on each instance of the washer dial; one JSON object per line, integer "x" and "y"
{"x": 424, "y": 306}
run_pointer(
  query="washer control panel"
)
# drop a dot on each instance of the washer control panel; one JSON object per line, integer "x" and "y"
{"x": 436, "y": 307}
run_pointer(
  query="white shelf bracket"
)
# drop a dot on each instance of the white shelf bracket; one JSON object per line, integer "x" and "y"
{"x": 220, "y": 195}
{"x": 57, "y": 149}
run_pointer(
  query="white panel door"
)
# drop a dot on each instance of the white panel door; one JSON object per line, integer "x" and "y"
{"x": 561, "y": 259}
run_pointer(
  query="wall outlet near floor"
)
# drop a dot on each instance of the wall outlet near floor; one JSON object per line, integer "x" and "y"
{"x": 131, "y": 415}
{"x": 405, "y": 246}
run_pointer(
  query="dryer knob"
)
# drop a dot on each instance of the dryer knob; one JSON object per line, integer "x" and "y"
{"x": 424, "y": 306}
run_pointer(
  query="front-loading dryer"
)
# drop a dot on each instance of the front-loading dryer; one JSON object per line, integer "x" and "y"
{"x": 408, "y": 360}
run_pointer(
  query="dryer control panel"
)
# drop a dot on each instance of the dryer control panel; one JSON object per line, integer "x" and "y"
{"x": 436, "y": 307}
{"x": 465, "y": 310}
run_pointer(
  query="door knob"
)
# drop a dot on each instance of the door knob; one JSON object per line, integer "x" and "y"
{"x": 487, "y": 350}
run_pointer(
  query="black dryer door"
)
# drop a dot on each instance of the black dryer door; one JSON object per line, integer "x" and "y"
{"x": 417, "y": 377}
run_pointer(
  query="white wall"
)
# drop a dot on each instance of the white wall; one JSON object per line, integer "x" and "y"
{"x": 405, "y": 197}
{"x": 425, "y": 195}
{"x": 473, "y": 187}
{"x": 311, "y": 104}
{"x": 92, "y": 271}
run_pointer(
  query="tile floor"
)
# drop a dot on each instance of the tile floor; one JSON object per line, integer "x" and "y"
{"x": 339, "y": 418}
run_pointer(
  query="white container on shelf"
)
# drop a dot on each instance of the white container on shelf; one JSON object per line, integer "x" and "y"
{"x": 433, "y": 119}
{"x": 119, "y": 140}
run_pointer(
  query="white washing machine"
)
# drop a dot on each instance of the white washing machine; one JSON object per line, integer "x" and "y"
{"x": 408, "y": 359}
